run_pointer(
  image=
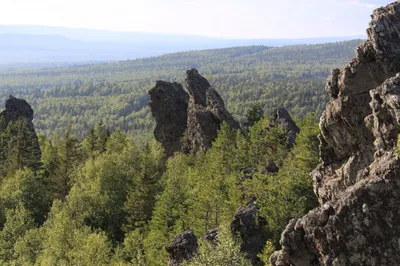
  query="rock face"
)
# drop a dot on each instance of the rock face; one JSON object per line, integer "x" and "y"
{"x": 249, "y": 227}
{"x": 169, "y": 103}
{"x": 358, "y": 180}
{"x": 205, "y": 114}
{"x": 182, "y": 248}
{"x": 201, "y": 114}
{"x": 15, "y": 109}
{"x": 282, "y": 117}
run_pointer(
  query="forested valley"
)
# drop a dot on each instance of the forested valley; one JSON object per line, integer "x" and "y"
{"x": 116, "y": 94}
{"x": 83, "y": 181}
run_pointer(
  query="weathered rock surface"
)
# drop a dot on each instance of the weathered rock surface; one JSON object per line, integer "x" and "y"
{"x": 182, "y": 248}
{"x": 282, "y": 117}
{"x": 168, "y": 104}
{"x": 250, "y": 228}
{"x": 206, "y": 112}
{"x": 201, "y": 114}
{"x": 358, "y": 180}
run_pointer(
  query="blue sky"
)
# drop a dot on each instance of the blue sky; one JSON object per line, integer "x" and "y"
{"x": 222, "y": 18}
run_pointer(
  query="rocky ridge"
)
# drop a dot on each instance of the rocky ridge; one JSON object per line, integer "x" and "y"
{"x": 357, "y": 182}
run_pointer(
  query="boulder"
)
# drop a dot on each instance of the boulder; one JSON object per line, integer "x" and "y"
{"x": 182, "y": 248}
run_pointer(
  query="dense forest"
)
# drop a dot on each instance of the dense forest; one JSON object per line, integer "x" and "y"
{"x": 78, "y": 97}
{"x": 107, "y": 201}
{"x": 87, "y": 190}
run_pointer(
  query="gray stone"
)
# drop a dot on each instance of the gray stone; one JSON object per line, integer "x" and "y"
{"x": 357, "y": 182}
{"x": 168, "y": 104}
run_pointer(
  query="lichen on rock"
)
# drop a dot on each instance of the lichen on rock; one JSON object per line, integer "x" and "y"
{"x": 357, "y": 182}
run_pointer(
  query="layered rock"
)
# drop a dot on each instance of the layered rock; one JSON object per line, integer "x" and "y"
{"x": 282, "y": 117}
{"x": 182, "y": 248}
{"x": 168, "y": 104}
{"x": 358, "y": 180}
{"x": 206, "y": 112}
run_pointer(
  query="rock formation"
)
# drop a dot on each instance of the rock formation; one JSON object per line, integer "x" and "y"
{"x": 182, "y": 248}
{"x": 28, "y": 149}
{"x": 247, "y": 225}
{"x": 358, "y": 180}
{"x": 169, "y": 103}
{"x": 16, "y": 109}
{"x": 206, "y": 112}
{"x": 282, "y": 117}
{"x": 201, "y": 116}
{"x": 250, "y": 228}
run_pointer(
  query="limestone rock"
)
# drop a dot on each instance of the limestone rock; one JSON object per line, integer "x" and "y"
{"x": 357, "y": 182}
{"x": 168, "y": 104}
{"x": 182, "y": 248}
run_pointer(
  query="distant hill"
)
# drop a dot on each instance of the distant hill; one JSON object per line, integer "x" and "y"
{"x": 43, "y": 44}
{"x": 116, "y": 93}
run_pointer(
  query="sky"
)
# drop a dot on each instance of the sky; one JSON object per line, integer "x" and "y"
{"x": 217, "y": 18}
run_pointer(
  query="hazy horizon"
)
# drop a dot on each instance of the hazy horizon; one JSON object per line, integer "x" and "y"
{"x": 255, "y": 19}
{"x": 26, "y": 26}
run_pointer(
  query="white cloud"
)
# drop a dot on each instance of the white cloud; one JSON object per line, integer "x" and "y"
{"x": 327, "y": 18}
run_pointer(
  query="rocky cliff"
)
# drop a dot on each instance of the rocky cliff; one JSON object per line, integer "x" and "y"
{"x": 206, "y": 112}
{"x": 168, "y": 104}
{"x": 358, "y": 179}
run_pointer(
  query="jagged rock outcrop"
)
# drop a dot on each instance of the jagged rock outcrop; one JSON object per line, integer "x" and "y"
{"x": 206, "y": 112}
{"x": 201, "y": 114}
{"x": 249, "y": 226}
{"x": 168, "y": 104}
{"x": 182, "y": 248}
{"x": 282, "y": 117}
{"x": 358, "y": 180}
